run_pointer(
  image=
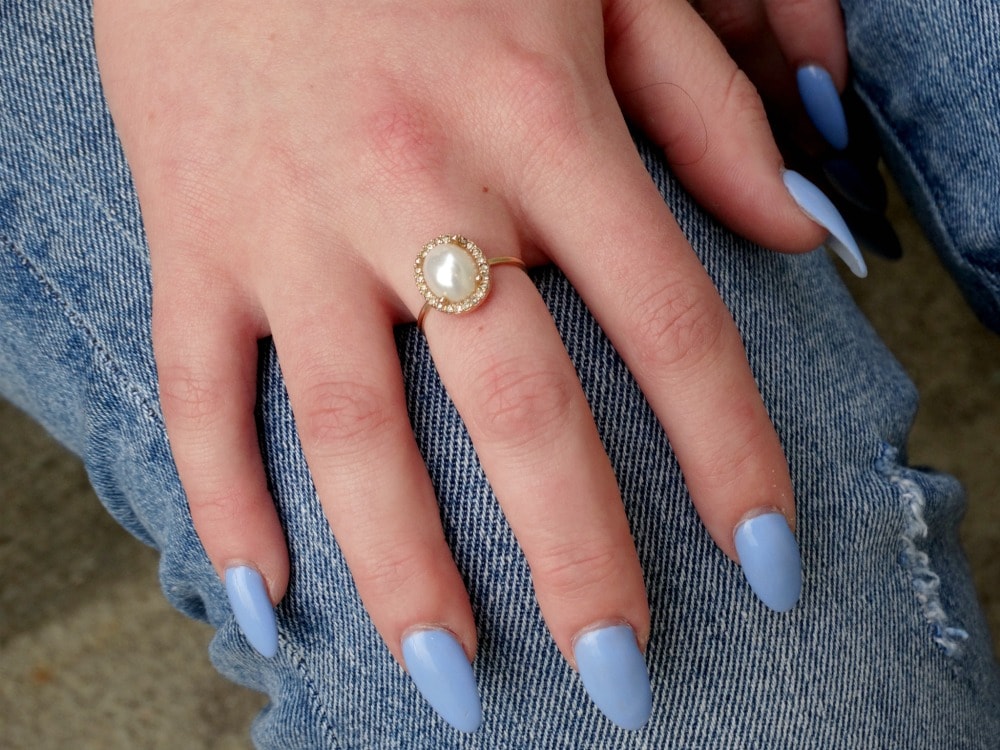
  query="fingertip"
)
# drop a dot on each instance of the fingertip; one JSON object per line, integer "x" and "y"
{"x": 253, "y": 608}
{"x": 441, "y": 669}
{"x": 614, "y": 674}
{"x": 821, "y": 210}
{"x": 770, "y": 559}
{"x": 821, "y": 100}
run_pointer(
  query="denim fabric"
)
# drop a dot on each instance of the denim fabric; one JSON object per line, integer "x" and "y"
{"x": 930, "y": 73}
{"x": 888, "y": 648}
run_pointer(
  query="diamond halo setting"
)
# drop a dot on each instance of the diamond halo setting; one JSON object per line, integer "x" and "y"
{"x": 452, "y": 274}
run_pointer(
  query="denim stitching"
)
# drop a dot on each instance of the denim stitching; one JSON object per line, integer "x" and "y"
{"x": 299, "y": 663}
{"x": 70, "y": 180}
{"x": 984, "y": 274}
{"x": 917, "y": 563}
{"x": 76, "y": 320}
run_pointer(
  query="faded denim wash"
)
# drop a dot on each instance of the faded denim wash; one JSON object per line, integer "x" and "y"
{"x": 887, "y": 648}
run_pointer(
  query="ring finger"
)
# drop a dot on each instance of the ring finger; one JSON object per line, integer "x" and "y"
{"x": 511, "y": 380}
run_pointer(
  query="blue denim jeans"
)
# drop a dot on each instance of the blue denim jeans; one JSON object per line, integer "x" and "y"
{"x": 888, "y": 647}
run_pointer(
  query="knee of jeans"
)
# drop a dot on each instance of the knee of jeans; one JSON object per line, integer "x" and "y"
{"x": 931, "y": 506}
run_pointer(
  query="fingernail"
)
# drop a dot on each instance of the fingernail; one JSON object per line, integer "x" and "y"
{"x": 614, "y": 674}
{"x": 820, "y": 209}
{"x": 253, "y": 609}
{"x": 770, "y": 560}
{"x": 822, "y": 102}
{"x": 439, "y": 668}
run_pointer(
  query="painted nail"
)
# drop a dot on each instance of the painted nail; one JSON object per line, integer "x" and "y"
{"x": 820, "y": 209}
{"x": 253, "y": 609}
{"x": 614, "y": 674}
{"x": 439, "y": 668}
{"x": 770, "y": 560}
{"x": 822, "y": 102}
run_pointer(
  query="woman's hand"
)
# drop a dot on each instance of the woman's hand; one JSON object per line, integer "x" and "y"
{"x": 292, "y": 157}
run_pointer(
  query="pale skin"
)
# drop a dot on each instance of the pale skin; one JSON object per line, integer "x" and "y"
{"x": 292, "y": 157}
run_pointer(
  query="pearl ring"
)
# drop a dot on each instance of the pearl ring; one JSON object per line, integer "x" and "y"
{"x": 453, "y": 275}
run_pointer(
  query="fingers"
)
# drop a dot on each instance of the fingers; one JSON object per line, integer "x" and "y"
{"x": 206, "y": 350}
{"x": 795, "y": 51}
{"x": 515, "y": 387}
{"x": 673, "y": 75}
{"x": 743, "y": 27}
{"x": 811, "y": 35}
{"x": 345, "y": 387}
{"x": 650, "y": 294}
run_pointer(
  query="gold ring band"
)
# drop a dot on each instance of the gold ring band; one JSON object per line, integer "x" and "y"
{"x": 453, "y": 275}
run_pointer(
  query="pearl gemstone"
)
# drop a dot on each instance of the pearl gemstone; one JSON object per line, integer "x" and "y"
{"x": 450, "y": 271}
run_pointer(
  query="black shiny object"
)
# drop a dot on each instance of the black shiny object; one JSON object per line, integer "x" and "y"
{"x": 857, "y": 183}
{"x": 851, "y": 179}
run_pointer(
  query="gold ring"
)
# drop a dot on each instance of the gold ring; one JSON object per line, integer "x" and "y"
{"x": 453, "y": 275}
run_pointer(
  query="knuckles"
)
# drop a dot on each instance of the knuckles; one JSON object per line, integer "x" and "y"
{"x": 189, "y": 396}
{"x": 575, "y": 571}
{"x": 675, "y": 325}
{"x": 525, "y": 108}
{"x": 341, "y": 418}
{"x": 401, "y": 141}
{"x": 741, "y": 101}
{"x": 520, "y": 403}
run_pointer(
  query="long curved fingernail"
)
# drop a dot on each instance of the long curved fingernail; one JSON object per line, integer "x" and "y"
{"x": 770, "y": 560}
{"x": 822, "y": 102}
{"x": 439, "y": 668}
{"x": 614, "y": 674}
{"x": 820, "y": 209}
{"x": 253, "y": 609}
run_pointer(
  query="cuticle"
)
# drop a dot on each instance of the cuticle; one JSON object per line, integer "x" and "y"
{"x": 238, "y": 562}
{"x": 439, "y": 628}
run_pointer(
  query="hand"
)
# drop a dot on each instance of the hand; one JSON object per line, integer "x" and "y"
{"x": 290, "y": 160}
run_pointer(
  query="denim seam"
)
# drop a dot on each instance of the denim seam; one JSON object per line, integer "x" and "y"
{"x": 323, "y": 718}
{"x": 78, "y": 322}
{"x": 943, "y": 234}
{"x": 68, "y": 179}
{"x": 75, "y": 319}
{"x": 926, "y": 584}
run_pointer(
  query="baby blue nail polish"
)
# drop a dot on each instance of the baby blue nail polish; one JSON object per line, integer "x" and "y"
{"x": 614, "y": 674}
{"x": 822, "y": 102}
{"x": 440, "y": 670}
{"x": 820, "y": 209}
{"x": 770, "y": 560}
{"x": 253, "y": 609}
